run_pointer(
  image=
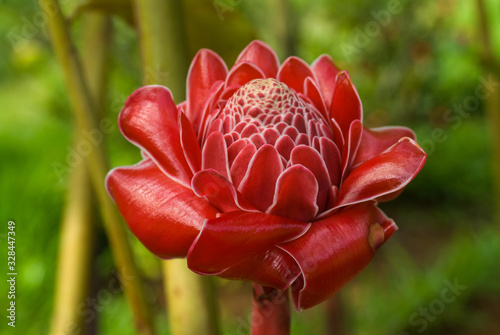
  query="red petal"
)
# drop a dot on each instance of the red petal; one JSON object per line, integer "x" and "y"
{"x": 149, "y": 119}
{"x": 384, "y": 174}
{"x": 326, "y": 72}
{"x": 242, "y": 73}
{"x": 335, "y": 250}
{"x": 206, "y": 69}
{"x": 241, "y": 163}
{"x": 261, "y": 55}
{"x": 273, "y": 268}
{"x": 313, "y": 93}
{"x": 219, "y": 192}
{"x": 351, "y": 146}
{"x": 376, "y": 140}
{"x": 214, "y": 154}
{"x": 331, "y": 156}
{"x": 259, "y": 182}
{"x": 285, "y": 145}
{"x": 346, "y": 105}
{"x": 296, "y": 192}
{"x": 312, "y": 160}
{"x": 294, "y": 72}
{"x": 164, "y": 215}
{"x": 189, "y": 143}
{"x": 236, "y": 236}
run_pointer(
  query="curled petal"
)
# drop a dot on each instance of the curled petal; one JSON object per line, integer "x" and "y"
{"x": 260, "y": 180}
{"x": 234, "y": 237}
{"x": 164, "y": 215}
{"x": 296, "y": 192}
{"x": 294, "y": 72}
{"x": 242, "y": 73}
{"x": 326, "y": 72}
{"x": 384, "y": 174}
{"x": 376, "y": 140}
{"x": 346, "y": 105}
{"x": 331, "y": 155}
{"x": 206, "y": 69}
{"x": 335, "y": 250}
{"x": 219, "y": 192}
{"x": 273, "y": 268}
{"x": 149, "y": 119}
{"x": 263, "y": 56}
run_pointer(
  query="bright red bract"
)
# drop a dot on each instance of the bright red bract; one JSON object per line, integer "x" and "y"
{"x": 265, "y": 173}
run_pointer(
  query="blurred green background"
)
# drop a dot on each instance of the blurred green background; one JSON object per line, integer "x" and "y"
{"x": 414, "y": 64}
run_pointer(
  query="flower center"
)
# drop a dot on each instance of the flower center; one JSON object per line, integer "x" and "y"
{"x": 266, "y": 110}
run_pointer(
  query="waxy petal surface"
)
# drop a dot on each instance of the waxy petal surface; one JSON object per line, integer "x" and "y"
{"x": 219, "y": 192}
{"x": 273, "y": 268}
{"x": 346, "y": 105}
{"x": 206, "y": 69}
{"x": 260, "y": 180}
{"x": 164, "y": 215}
{"x": 296, "y": 193}
{"x": 326, "y": 72}
{"x": 336, "y": 249}
{"x": 149, "y": 119}
{"x": 263, "y": 56}
{"x": 236, "y": 236}
{"x": 384, "y": 174}
{"x": 294, "y": 72}
{"x": 376, "y": 140}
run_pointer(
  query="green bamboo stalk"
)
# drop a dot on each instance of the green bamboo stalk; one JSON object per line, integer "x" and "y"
{"x": 191, "y": 303}
{"x": 83, "y": 106}
{"x": 77, "y": 227}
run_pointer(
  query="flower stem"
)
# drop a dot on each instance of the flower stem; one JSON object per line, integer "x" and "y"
{"x": 83, "y": 106}
{"x": 270, "y": 311}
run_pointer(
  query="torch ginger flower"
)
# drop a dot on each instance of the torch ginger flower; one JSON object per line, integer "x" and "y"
{"x": 265, "y": 173}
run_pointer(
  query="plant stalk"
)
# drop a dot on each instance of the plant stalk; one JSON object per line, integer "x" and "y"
{"x": 270, "y": 311}
{"x": 84, "y": 107}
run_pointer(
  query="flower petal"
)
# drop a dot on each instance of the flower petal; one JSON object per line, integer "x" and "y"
{"x": 242, "y": 73}
{"x": 331, "y": 155}
{"x": 149, "y": 119}
{"x": 214, "y": 154}
{"x": 312, "y": 92}
{"x": 241, "y": 163}
{"x": 164, "y": 215}
{"x": 346, "y": 105}
{"x": 263, "y": 56}
{"x": 384, "y": 174}
{"x": 296, "y": 193}
{"x": 189, "y": 143}
{"x": 312, "y": 160}
{"x": 234, "y": 237}
{"x": 335, "y": 250}
{"x": 206, "y": 69}
{"x": 294, "y": 72}
{"x": 259, "y": 182}
{"x": 376, "y": 140}
{"x": 219, "y": 192}
{"x": 326, "y": 72}
{"x": 351, "y": 146}
{"x": 273, "y": 268}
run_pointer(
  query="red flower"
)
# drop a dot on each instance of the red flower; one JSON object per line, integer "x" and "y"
{"x": 265, "y": 173}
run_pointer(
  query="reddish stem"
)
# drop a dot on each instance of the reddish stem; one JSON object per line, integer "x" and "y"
{"x": 270, "y": 311}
